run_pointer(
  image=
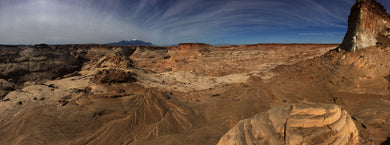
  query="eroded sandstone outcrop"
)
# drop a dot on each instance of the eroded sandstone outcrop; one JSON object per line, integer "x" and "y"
{"x": 223, "y": 60}
{"x": 113, "y": 76}
{"x": 33, "y": 64}
{"x": 305, "y": 123}
{"x": 368, "y": 25}
{"x": 21, "y": 64}
{"x": 116, "y": 58}
{"x": 193, "y": 45}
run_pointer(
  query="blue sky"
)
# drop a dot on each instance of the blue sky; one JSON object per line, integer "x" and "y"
{"x": 165, "y": 22}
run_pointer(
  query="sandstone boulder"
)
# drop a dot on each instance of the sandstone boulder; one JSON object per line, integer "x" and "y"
{"x": 305, "y": 123}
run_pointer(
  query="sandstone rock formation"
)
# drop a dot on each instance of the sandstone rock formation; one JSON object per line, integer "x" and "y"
{"x": 223, "y": 60}
{"x": 368, "y": 25}
{"x": 356, "y": 81}
{"x": 33, "y": 64}
{"x": 192, "y": 96}
{"x": 5, "y": 87}
{"x": 21, "y": 64}
{"x": 113, "y": 76}
{"x": 111, "y": 100}
{"x": 305, "y": 123}
{"x": 118, "y": 58}
{"x": 193, "y": 45}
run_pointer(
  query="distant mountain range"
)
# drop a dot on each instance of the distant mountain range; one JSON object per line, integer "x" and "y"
{"x": 131, "y": 42}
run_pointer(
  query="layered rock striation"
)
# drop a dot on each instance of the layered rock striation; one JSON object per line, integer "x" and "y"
{"x": 368, "y": 25}
{"x": 22, "y": 64}
{"x": 223, "y": 60}
{"x": 305, "y": 123}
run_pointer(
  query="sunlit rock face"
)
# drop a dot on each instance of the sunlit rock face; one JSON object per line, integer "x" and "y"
{"x": 368, "y": 25}
{"x": 304, "y": 123}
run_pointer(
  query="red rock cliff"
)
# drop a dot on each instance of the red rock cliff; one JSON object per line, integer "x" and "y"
{"x": 193, "y": 45}
{"x": 368, "y": 25}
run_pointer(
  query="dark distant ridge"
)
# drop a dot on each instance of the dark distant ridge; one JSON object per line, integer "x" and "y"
{"x": 132, "y": 42}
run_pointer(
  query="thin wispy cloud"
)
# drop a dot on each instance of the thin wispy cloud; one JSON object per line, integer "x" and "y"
{"x": 172, "y": 21}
